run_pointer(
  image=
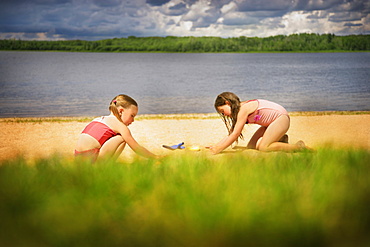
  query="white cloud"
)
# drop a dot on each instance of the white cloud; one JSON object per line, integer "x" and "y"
{"x": 228, "y": 7}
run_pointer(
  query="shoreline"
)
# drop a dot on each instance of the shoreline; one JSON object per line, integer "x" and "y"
{"x": 179, "y": 116}
{"x": 43, "y": 137}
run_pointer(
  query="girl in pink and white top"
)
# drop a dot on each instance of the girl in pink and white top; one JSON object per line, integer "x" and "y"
{"x": 272, "y": 117}
{"x": 107, "y": 136}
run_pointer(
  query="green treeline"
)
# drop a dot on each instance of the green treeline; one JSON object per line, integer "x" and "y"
{"x": 281, "y": 43}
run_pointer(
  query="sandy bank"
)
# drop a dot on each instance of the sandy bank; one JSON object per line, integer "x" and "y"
{"x": 40, "y": 138}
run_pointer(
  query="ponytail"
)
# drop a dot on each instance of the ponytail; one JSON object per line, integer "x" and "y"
{"x": 123, "y": 101}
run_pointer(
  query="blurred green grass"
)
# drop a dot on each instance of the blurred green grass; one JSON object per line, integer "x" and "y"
{"x": 317, "y": 198}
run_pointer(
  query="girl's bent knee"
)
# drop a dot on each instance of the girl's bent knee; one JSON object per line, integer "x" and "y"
{"x": 262, "y": 148}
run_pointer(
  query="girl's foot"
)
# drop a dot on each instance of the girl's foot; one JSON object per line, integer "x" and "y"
{"x": 302, "y": 146}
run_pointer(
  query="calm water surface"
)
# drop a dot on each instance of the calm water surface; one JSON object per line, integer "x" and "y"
{"x": 82, "y": 84}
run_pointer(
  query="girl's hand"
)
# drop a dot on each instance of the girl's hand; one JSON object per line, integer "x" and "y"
{"x": 212, "y": 149}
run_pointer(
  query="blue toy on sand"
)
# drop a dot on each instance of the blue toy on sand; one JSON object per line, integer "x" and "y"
{"x": 174, "y": 147}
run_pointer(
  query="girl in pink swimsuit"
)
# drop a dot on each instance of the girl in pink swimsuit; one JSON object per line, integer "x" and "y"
{"x": 107, "y": 136}
{"x": 272, "y": 117}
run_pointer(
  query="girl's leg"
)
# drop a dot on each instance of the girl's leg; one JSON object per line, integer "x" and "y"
{"x": 113, "y": 147}
{"x": 273, "y": 133}
{"x": 252, "y": 144}
{"x": 119, "y": 150}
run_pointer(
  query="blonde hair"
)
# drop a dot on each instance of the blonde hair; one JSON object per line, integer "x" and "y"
{"x": 234, "y": 102}
{"x": 123, "y": 101}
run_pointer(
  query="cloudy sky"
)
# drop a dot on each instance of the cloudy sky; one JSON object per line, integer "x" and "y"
{"x": 102, "y": 19}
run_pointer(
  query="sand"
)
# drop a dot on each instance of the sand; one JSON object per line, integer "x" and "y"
{"x": 44, "y": 138}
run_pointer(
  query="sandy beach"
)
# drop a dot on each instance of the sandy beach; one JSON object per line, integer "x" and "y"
{"x": 42, "y": 137}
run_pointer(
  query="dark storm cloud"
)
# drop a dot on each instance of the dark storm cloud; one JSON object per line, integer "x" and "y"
{"x": 345, "y": 17}
{"x": 256, "y": 5}
{"x": 107, "y": 3}
{"x": 178, "y": 9}
{"x": 72, "y": 19}
{"x": 157, "y": 2}
{"x": 96, "y": 19}
{"x": 352, "y": 25}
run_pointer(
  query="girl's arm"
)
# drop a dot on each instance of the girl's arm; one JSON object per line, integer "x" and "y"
{"x": 136, "y": 147}
{"x": 230, "y": 139}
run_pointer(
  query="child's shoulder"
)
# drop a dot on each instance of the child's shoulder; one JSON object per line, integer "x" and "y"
{"x": 249, "y": 103}
{"x": 115, "y": 124}
{"x": 249, "y": 106}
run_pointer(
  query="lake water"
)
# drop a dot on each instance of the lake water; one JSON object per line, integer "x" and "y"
{"x": 43, "y": 84}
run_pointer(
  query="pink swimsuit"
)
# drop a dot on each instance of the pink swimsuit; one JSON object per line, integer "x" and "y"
{"x": 101, "y": 132}
{"x": 92, "y": 154}
{"x": 266, "y": 113}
